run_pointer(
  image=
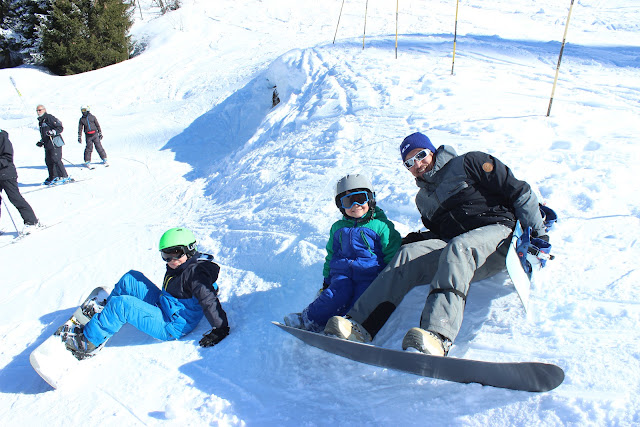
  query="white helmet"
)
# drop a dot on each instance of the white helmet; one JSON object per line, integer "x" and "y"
{"x": 85, "y": 108}
{"x": 354, "y": 182}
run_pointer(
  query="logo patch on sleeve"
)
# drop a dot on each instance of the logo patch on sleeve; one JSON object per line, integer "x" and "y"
{"x": 487, "y": 167}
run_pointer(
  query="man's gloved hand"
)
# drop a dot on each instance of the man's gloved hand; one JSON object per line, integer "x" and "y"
{"x": 100, "y": 136}
{"x": 412, "y": 237}
{"x": 214, "y": 337}
{"x": 418, "y": 236}
{"x": 79, "y": 140}
{"x": 39, "y": 143}
{"x": 51, "y": 132}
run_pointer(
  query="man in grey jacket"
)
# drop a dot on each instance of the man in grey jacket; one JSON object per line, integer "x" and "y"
{"x": 92, "y": 134}
{"x": 470, "y": 204}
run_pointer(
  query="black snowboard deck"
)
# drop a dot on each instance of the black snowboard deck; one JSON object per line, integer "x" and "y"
{"x": 523, "y": 376}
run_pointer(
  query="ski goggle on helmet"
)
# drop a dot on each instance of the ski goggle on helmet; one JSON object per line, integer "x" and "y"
{"x": 177, "y": 242}
{"x": 85, "y": 108}
{"x": 357, "y": 198}
{"x": 360, "y": 192}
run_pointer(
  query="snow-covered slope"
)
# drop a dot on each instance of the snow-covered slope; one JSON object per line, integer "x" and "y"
{"x": 193, "y": 140}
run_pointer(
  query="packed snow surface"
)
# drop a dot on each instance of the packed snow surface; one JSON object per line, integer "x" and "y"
{"x": 193, "y": 141}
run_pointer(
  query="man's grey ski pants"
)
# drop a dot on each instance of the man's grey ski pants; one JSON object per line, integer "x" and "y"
{"x": 449, "y": 267}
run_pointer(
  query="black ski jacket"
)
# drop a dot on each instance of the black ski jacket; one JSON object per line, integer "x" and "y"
{"x": 469, "y": 191}
{"x": 47, "y": 122}
{"x": 197, "y": 278}
{"x": 7, "y": 168}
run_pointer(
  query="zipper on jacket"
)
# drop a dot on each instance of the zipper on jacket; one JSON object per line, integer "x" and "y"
{"x": 463, "y": 228}
{"x": 366, "y": 242}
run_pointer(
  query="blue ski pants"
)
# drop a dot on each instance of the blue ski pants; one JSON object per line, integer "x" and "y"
{"x": 336, "y": 300}
{"x": 134, "y": 300}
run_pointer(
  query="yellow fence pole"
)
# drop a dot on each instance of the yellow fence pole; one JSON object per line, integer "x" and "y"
{"x": 455, "y": 36}
{"x": 555, "y": 80}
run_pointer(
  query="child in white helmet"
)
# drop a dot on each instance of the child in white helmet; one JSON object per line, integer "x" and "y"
{"x": 360, "y": 246}
{"x": 89, "y": 125}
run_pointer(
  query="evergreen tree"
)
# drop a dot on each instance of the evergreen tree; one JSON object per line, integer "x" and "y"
{"x": 21, "y": 25}
{"x": 84, "y": 35}
{"x": 110, "y": 29}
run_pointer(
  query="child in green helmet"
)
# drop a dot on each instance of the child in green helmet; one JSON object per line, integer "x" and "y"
{"x": 188, "y": 293}
{"x": 360, "y": 246}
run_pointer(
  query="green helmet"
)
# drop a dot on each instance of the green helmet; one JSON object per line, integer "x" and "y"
{"x": 179, "y": 237}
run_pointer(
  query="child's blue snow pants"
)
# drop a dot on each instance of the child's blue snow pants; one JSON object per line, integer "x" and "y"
{"x": 134, "y": 300}
{"x": 336, "y": 300}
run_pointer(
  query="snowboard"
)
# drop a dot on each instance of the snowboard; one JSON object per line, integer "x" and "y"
{"x": 518, "y": 277}
{"x": 51, "y": 359}
{"x": 524, "y": 376}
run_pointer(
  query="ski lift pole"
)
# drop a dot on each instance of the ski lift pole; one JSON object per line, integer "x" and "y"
{"x": 397, "y": 6}
{"x": 139, "y": 8}
{"x": 15, "y": 86}
{"x": 339, "y": 16}
{"x": 455, "y": 36}
{"x": 366, "y": 7}
{"x": 564, "y": 38}
{"x": 6, "y": 208}
{"x": 13, "y": 82}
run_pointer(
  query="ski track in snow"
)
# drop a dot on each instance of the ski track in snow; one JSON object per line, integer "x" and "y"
{"x": 192, "y": 140}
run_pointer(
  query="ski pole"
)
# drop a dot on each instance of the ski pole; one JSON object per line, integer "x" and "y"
{"x": 72, "y": 164}
{"x": 564, "y": 38}
{"x": 455, "y": 36}
{"x": 6, "y": 208}
{"x": 339, "y": 16}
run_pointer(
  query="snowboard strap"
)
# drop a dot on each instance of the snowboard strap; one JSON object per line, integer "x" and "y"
{"x": 454, "y": 291}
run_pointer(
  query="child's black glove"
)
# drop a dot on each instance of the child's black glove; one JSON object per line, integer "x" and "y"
{"x": 214, "y": 337}
{"x": 325, "y": 285}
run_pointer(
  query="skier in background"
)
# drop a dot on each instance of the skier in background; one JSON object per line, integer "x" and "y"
{"x": 49, "y": 128}
{"x": 92, "y": 134}
{"x": 189, "y": 292}
{"x": 9, "y": 183}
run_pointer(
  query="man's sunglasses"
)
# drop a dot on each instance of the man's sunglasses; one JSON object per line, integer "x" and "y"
{"x": 420, "y": 155}
{"x": 169, "y": 254}
{"x": 357, "y": 198}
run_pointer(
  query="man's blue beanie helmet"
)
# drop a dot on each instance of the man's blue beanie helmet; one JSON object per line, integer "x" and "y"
{"x": 413, "y": 141}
